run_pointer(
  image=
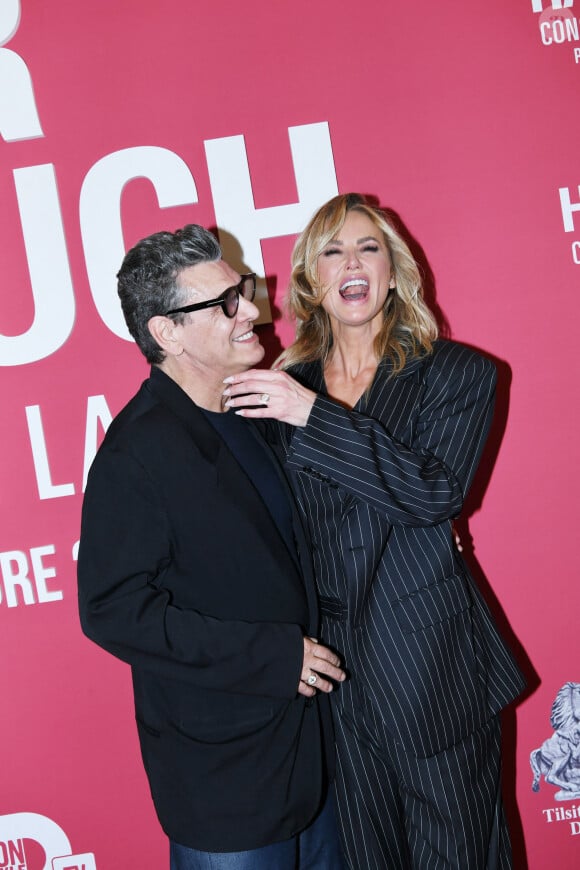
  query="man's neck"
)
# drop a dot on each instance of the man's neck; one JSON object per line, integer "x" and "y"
{"x": 203, "y": 387}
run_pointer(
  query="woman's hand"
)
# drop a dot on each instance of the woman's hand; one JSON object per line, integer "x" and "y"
{"x": 320, "y": 669}
{"x": 276, "y": 395}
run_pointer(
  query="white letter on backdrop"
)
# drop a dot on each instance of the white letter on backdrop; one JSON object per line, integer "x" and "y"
{"x": 43, "y": 573}
{"x": 48, "y": 265}
{"x": 16, "y": 576}
{"x": 52, "y": 838}
{"x": 537, "y": 5}
{"x": 100, "y": 215}
{"x": 231, "y": 188}
{"x": 546, "y": 32}
{"x": 46, "y": 488}
{"x": 97, "y": 410}
{"x": 568, "y": 208}
{"x": 18, "y": 115}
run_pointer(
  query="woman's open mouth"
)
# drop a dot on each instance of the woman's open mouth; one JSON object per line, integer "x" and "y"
{"x": 354, "y": 289}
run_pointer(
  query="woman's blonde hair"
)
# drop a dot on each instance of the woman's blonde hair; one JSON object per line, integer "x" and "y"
{"x": 409, "y": 328}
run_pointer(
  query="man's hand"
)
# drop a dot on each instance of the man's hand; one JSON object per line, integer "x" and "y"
{"x": 319, "y": 667}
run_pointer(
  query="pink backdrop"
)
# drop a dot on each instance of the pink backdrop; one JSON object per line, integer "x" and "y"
{"x": 463, "y": 119}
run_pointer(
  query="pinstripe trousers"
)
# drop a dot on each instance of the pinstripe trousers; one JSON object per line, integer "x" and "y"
{"x": 398, "y": 812}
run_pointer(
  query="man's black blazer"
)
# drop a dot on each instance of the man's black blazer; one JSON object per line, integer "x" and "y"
{"x": 184, "y": 575}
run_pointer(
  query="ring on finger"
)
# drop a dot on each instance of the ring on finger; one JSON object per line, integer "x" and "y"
{"x": 264, "y": 398}
{"x": 311, "y": 680}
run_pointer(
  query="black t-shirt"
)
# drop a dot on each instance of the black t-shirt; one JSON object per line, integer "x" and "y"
{"x": 259, "y": 463}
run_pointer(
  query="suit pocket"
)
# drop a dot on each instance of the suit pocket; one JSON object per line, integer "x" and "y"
{"x": 432, "y": 604}
{"x": 213, "y": 717}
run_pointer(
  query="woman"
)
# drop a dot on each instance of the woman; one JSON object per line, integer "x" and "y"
{"x": 388, "y": 427}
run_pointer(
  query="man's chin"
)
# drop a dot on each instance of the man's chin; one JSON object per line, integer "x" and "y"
{"x": 258, "y": 356}
{"x": 249, "y": 361}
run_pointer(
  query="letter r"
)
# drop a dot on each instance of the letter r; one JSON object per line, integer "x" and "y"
{"x": 18, "y": 115}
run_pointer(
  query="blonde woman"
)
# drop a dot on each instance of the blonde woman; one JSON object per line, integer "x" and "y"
{"x": 386, "y": 427}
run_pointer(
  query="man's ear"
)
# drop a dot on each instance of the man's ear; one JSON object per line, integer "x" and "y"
{"x": 166, "y": 333}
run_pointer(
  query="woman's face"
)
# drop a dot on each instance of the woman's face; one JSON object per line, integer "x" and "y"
{"x": 355, "y": 272}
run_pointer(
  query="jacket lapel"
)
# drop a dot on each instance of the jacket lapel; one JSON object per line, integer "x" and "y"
{"x": 233, "y": 481}
{"x": 396, "y": 401}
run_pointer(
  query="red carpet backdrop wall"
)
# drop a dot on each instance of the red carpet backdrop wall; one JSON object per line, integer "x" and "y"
{"x": 123, "y": 117}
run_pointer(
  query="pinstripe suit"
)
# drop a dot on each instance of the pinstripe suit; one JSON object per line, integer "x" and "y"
{"x": 416, "y": 725}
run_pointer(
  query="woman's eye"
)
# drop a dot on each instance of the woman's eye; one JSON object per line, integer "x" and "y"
{"x": 330, "y": 251}
{"x": 372, "y": 248}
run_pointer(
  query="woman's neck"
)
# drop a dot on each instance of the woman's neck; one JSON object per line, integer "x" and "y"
{"x": 350, "y": 370}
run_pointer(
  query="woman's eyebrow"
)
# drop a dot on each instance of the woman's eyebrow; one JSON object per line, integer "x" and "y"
{"x": 358, "y": 241}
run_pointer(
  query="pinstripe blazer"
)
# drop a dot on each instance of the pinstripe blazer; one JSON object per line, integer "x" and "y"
{"x": 396, "y": 469}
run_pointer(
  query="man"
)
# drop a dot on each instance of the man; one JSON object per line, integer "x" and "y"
{"x": 193, "y": 568}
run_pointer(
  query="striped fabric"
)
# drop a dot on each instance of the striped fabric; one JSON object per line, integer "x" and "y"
{"x": 378, "y": 487}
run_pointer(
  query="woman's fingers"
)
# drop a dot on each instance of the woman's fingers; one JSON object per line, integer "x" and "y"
{"x": 272, "y": 394}
{"x": 320, "y": 669}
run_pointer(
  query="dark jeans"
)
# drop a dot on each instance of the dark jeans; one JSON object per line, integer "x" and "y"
{"x": 316, "y": 848}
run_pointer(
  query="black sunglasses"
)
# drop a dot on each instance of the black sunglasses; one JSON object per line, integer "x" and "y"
{"x": 229, "y": 299}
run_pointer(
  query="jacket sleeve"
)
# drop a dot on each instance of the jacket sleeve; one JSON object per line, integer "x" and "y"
{"x": 126, "y": 604}
{"x": 420, "y": 483}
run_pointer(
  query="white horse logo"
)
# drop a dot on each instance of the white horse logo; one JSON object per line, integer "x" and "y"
{"x": 558, "y": 758}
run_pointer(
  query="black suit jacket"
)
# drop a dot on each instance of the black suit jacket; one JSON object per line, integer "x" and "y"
{"x": 184, "y": 575}
{"x": 422, "y": 640}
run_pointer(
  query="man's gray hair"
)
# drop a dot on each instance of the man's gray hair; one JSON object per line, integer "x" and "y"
{"x": 147, "y": 279}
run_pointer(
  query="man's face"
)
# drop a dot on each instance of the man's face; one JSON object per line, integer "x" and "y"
{"x": 215, "y": 344}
